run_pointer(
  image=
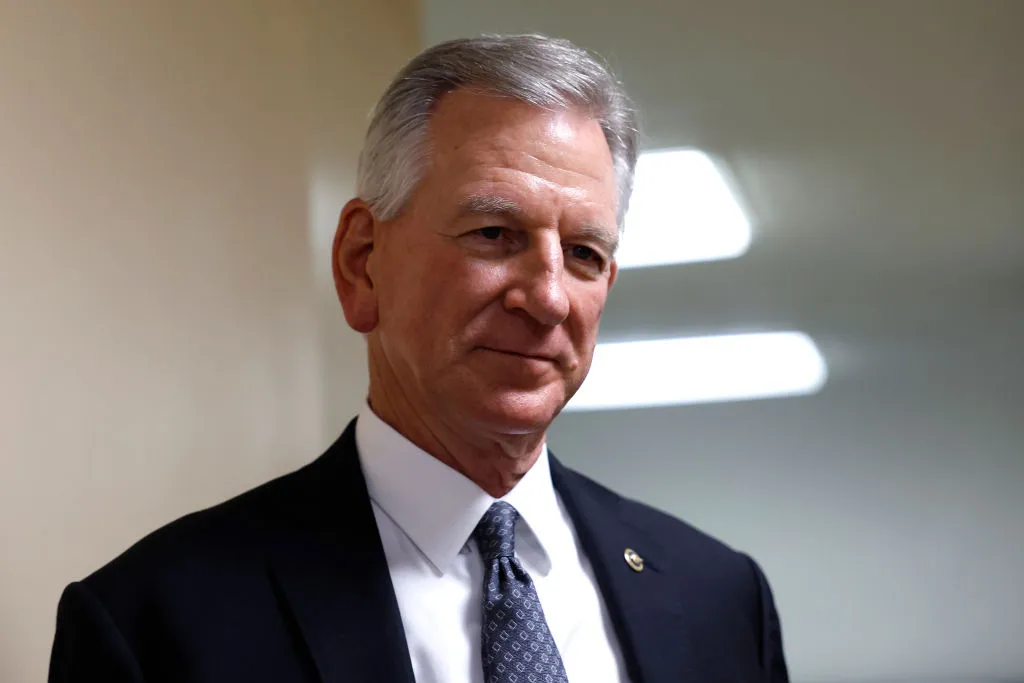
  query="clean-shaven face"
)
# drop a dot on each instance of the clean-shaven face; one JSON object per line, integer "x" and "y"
{"x": 491, "y": 284}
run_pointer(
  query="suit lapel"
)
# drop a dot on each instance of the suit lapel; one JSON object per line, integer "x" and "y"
{"x": 332, "y": 577}
{"x": 645, "y": 606}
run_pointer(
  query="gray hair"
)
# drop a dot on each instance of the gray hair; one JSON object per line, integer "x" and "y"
{"x": 545, "y": 72}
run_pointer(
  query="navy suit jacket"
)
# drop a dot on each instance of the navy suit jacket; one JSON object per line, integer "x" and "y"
{"x": 289, "y": 582}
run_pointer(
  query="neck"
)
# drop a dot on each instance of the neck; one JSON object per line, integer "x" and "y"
{"x": 494, "y": 462}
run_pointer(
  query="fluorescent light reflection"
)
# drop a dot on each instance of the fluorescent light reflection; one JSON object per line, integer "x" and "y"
{"x": 701, "y": 370}
{"x": 682, "y": 210}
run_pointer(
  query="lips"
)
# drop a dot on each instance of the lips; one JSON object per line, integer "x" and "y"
{"x": 541, "y": 356}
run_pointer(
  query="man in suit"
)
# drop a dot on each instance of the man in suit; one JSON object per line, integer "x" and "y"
{"x": 438, "y": 540}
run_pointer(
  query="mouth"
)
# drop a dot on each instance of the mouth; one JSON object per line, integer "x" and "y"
{"x": 525, "y": 356}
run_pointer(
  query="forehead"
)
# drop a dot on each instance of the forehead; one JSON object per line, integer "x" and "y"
{"x": 483, "y": 144}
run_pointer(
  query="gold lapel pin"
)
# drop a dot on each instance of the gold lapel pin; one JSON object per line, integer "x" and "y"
{"x": 633, "y": 559}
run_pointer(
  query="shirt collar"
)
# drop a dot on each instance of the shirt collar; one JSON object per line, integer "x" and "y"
{"x": 437, "y": 507}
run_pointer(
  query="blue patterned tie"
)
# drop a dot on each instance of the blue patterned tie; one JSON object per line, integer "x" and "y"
{"x": 517, "y": 645}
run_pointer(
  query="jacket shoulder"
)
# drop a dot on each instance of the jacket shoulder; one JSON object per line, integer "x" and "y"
{"x": 232, "y": 532}
{"x": 235, "y": 537}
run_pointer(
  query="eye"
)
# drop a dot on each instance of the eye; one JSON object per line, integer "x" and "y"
{"x": 491, "y": 232}
{"x": 587, "y": 255}
{"x": 494, "y": 240}
{"x": 583, "y": 253}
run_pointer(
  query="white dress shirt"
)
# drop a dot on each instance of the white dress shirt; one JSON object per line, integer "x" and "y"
{"x": 426, "y": 513}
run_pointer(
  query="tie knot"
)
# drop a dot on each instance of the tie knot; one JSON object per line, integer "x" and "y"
{"x": 496, "y": 533}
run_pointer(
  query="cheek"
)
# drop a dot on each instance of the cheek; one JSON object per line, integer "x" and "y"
{"x": 589, "y": 307}
{"x": 475, "y": 291}
{"x": 438, "y": 304}
{"x": 584, "y": 328}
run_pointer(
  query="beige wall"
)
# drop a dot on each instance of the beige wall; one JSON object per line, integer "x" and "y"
{"x": 169, "y": 176}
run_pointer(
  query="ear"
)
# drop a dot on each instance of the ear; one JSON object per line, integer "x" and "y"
{"x": 353, "y": 244}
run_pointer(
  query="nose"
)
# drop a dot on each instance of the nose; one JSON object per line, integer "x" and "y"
{"x": 538, "y": 287}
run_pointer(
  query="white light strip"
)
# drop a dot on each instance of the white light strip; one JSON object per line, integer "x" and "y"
{"x": 701, "y": 370}
{"x": 682, "y": 210}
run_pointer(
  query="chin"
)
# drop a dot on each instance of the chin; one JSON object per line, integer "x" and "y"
{"x": 516, "y": 412}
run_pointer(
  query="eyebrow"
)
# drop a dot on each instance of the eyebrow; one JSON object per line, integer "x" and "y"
{"x": 491, "y": 205}
{"x": 496, "y": 205}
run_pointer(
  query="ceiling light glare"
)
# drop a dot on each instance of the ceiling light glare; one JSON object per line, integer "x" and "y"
{"x": 691, "y": 370}
{"x": 682, "y": 210}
